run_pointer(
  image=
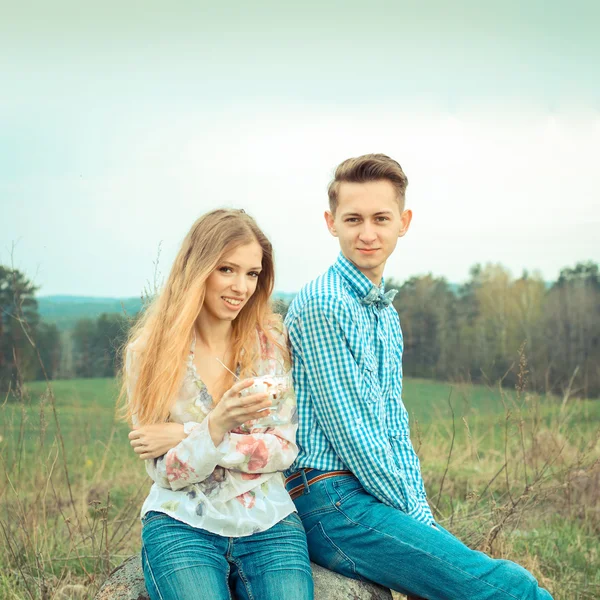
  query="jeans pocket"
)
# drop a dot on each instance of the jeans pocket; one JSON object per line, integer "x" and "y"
{"x": 292, "y": 520}
{"x": 345, "y": 487}
{"x": 153, "y": 515}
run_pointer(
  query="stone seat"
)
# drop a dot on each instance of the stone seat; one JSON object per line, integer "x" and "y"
{"x": 126, "y": 582}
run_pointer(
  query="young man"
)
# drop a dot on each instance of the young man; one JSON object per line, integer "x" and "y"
{"x": 357, "y": 481}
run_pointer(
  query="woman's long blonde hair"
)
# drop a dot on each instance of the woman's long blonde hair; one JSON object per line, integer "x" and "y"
{"x": 161, "y": 339}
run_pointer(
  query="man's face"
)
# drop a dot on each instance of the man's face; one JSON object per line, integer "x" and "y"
{"x": 368, "y": 223}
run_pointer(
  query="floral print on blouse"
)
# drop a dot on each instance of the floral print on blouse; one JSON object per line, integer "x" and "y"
{"x": 236, "y": 488}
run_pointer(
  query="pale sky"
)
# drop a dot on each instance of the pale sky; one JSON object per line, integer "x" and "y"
{"x": 120, "y": 124}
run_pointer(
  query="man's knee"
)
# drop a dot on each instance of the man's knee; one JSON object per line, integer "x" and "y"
{"x": 524, "y": 584}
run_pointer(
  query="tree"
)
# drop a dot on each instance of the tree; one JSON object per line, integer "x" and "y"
{"x": 111, "y": 334}
{"x": 84, "y": 341}
{"x": 572, "y": 330}
{"x": 49, "y": 344}
{"x": 96, "y": 345}
{"x": 19, "y": 315}
{"x": 529, "y": 299}
{"x": 426, "y": 307}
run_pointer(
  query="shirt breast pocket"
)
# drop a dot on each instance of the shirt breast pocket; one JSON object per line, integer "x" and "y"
{"x": 370, "y": 387}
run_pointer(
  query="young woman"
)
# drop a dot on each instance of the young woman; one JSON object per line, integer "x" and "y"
{"x": 218, "y": 521}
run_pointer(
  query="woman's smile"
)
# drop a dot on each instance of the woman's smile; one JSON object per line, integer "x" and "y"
{"x": 233, "y": 303}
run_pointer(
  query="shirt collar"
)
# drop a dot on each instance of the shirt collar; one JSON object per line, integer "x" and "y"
{"x": 358, "y": 282}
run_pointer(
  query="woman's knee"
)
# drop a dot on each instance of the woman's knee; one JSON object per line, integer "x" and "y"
{"x": 177, "y": 558}
{"x": 291, "y": 584}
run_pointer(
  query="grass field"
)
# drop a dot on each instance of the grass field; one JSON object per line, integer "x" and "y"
{"x": 511, "y": 473}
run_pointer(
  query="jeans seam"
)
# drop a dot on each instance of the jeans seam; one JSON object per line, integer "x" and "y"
{"x": 227, "y": 580}
{"x": 466, "y": 573}
{"x": 145, "y": 557}
{"x": 244, "y": 579}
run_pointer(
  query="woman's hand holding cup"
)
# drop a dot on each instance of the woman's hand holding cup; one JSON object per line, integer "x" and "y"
{"x": 234, "y": 409}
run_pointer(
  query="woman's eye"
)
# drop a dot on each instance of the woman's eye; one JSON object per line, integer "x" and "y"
{"x": 225, "y": 269}
{"x": 254, "y": 273}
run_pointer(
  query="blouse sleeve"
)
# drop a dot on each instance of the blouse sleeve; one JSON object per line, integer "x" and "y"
{"x": 192, "y": 460}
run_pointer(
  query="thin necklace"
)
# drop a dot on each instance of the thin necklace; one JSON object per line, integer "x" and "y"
{"x": 220, "y": 361}
{"x": 226, "y": 367}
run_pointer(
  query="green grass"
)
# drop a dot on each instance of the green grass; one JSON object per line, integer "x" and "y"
{"x": 428, "y": 402}
{"x": 549, "y": 452}
{"x": 86, "y": 413}
{"x": 480, "y": 414}
{"x": 87, "y": 410}
{"x": 570, "y": 550}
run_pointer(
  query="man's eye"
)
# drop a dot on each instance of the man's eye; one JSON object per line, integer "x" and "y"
{"x": 380, "y": 219}
{"x": 352, "y": 220}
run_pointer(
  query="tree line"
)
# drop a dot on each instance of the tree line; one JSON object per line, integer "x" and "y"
{"x": 32, "y": 349}
{"x": 480, "y": 331}
{"x": 475, "y": 332}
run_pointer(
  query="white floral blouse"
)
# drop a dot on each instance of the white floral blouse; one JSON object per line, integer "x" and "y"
{"x": 236, "y": 488}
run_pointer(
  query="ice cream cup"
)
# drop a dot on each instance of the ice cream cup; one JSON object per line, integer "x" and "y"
{"x": 268, "y": 384}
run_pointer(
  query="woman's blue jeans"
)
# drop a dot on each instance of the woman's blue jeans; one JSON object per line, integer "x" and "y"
{"x": 181, "y": 562}
{"x": 351, "y": 532}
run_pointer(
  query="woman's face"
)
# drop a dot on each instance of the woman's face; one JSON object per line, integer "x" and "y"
{"x": 232, "y": 283}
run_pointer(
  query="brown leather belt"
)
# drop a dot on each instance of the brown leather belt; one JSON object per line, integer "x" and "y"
{"x": 295, "y": 489}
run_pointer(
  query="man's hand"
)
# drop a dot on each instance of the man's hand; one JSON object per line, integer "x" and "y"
{"x": 152, "y": 441}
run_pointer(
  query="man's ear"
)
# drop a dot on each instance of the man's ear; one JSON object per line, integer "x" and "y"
{"x": 405, "y": 219}
{"x": 330, "y": 220}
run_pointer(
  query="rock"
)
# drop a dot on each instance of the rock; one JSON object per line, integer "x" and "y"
{"x": 126, "y": 582}
{"x": 331, "y": 586}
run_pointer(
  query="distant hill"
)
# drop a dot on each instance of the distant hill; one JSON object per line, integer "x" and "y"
{"x": 65, "y": 311}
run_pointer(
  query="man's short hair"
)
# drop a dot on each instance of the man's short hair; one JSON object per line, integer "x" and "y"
{"x": 369, "y": 167}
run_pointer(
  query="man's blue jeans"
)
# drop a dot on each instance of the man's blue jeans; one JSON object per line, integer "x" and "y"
{"x": 181, "y": 562}
{"x": 351, "y": 532}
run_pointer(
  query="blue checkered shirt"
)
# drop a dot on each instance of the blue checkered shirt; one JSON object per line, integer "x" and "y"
{"x": 347, "y": 368}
